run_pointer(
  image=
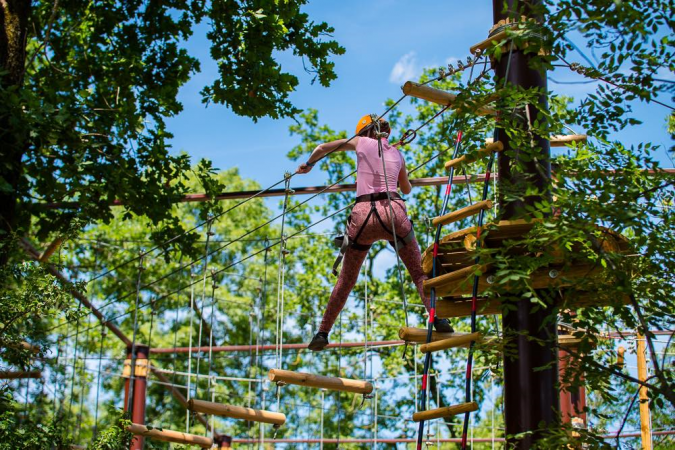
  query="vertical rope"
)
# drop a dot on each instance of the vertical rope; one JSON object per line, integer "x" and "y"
{"x": 281, "y": 284}
{"x": 98, "y": 381}
{"x": 210, "y": 387}
{"x": 189, "y": 377}
{"x": 205, "y": 266}
{"x": 393, "y": 224}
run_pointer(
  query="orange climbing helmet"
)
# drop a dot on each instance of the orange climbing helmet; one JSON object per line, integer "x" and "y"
{"x": 366, "y": 120}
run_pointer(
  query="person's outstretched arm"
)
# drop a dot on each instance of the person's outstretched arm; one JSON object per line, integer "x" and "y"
{"x": 322, "y": 150}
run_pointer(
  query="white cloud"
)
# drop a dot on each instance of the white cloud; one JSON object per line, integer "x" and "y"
{"x": 405, "y": 69}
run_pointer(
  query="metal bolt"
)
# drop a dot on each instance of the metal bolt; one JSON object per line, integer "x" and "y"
{"x": 490, "y": 279}
{"x": 553, "y": 273}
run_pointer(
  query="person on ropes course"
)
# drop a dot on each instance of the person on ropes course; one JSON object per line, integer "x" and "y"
{"x": 370, "y": 219}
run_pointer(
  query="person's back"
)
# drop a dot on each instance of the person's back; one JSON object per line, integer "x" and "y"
{"x": 370, "y": 173}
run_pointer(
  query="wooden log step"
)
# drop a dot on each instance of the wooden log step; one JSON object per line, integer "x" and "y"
{"x": 453, "y": 342}
{"x": 452, "y": 281}
{"x": 467, "y": 159}
{"x": 444, "y": 98}
{"x": 176, "y": 437}
{"x": 236, "y": 412}
{"x": 419, "y": 335}
{"x": 10, "y": 375}
{"x": 445, "y": 412}
{"x": 320, "y": 381}
{"x": 462, "y": 213}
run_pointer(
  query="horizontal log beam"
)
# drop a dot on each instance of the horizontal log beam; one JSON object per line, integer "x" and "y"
{"x": 453, "y": 342}
{"x": 268, "y": 347}
{"x": 176, "y": 437}
{"x": 236, "y": 412}
{"x": 10, "y": 375}
{"x": 320, "y": 381}
{"x": 563, "y": 140}
{"x": 238, "y": 195}
{"x": 462, "y": 213}
{"x": 468, "y": 159}
{"x": 445, "y": 412}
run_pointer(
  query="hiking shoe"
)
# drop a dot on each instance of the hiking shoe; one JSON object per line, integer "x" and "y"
{"x": 443, "y": 326}
{"x": 319, "y": 341}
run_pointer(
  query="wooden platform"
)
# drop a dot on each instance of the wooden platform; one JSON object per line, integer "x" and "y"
{"x": 452, "y": 307}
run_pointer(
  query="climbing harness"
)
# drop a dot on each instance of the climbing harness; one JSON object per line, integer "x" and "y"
{"x": 344, "y": 242}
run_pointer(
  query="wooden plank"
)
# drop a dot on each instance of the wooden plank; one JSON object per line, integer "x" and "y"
{"x": 463, "y": 213}
{"x": 469, "y": 158}
{"x": 10, "y": 375}
{"x": 450, "y": 308}
{"x": 460, "y": 282}
{"x": 445, "y": 412}
{"x": 320, "y": 381}
{"x": 453, "y": 342}
{"x": 176, "y": 437}
{"x": 419, "y": 335}
{"x": 236, "y": 412}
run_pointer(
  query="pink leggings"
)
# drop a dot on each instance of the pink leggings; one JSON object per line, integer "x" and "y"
{"x": 373, "y": 232}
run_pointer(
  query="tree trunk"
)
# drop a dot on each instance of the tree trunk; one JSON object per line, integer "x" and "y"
{"x": 13, "y": 34}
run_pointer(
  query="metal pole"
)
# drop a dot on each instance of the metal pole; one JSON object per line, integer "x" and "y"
{"x": 139, "y": 380}
{"x": 531, "y": 397}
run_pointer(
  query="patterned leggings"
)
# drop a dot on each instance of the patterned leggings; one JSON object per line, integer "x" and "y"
{"x": 353, "y": 259}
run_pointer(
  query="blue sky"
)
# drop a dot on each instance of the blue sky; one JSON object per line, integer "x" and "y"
{"x": 387, "y": 42}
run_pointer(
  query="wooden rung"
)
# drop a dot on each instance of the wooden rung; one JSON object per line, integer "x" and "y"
{"x": 419, "y": 335}
{"x": 500, "y": 36}
{"x": 9, "y": 375}
{"x": 468, "y": 159}
{"x": 440, "y": 97}
{"x": 170, "y": 436}
{"x": 453, "y": 342}
{"x": 454, "y": 279}
{"x": 445, "y": 412}
{"x": 319, "y": 381}
{"x": 563, "y": 140}
{"x": 462, "y": 213}
{"x": 236, "y": 412}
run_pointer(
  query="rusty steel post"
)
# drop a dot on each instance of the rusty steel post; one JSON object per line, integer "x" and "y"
{"x": 134, "y": 394}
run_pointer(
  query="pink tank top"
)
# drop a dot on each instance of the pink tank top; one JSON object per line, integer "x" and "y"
{"x": 369, "y": 174}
